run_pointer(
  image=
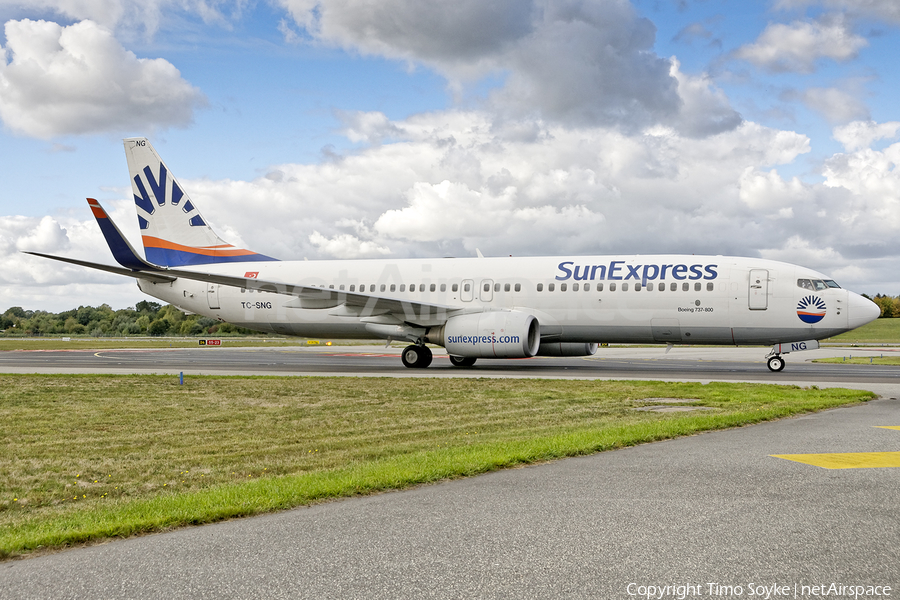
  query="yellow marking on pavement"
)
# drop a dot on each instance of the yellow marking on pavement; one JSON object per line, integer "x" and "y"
{"x": 897, "y": 427}
{"x": 846, "y": 460}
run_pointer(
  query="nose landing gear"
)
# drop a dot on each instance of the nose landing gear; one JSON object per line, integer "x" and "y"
{"x": 776, "y": 363}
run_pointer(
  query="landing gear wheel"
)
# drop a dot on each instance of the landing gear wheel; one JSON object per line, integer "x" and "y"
{"x": 776, "y": 363}
{"x": 462, "y": 361}
{"x": 416, "y": 357}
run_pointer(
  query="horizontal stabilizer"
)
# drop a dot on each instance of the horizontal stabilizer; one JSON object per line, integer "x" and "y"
{"x": 149, "y": 276}
{"x": 122, "y": 251}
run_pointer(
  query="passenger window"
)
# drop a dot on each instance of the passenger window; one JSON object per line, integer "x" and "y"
{"x": 393, "y": 287}
{"x": 685, "y": 287}
{"x": 662, "y": 287}
{"x": 709, "y": 286}
{"x": 467, "y": 287}
{"x": 624, "y": 287}
{"x": 342, "y": 287}
{"x": 506, "y": 287}
{"x": 637, "y": 287}
{"x": 563, "y": 287}
{"x": 551, "y": 287}
{"x": 574, "y": 287}
{"x": 806, "y": 284}
{"x": 454, "y": 287}
{"x": 612, "y": 287}
{"x": 421, "y": 287}
{"x": 382, "y": 287}
{"x": 599, "y": 287}
{"x": 673, "y": 287}
{"x": 402, "y": 287}
{"x": 487, "y": 287}
{"x": 518, "y": 287}
{"x": 697, "y": 287}
{"x": 353, "y": 288}
{"x": 432, "y": 288}
{"x": 331, "y": 287}
{"x": 497, "y": 287}
{"x": 587, "y": 287}
{"x": 540, "y": 287}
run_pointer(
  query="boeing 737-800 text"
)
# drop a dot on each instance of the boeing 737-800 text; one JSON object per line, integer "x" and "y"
{"x": 473, "y": 307}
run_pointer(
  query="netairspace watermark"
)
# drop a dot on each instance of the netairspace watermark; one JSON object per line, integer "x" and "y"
{"x": 756, "y": 591}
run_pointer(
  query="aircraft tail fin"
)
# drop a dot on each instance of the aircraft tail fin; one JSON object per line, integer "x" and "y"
{"x": 174, "y": 232}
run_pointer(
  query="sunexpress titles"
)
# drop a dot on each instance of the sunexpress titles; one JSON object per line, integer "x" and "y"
{"x": 618, "y": 270}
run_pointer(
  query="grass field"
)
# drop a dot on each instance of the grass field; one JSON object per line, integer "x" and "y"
{"x": 879, "y": 331}
{"x": 861, "y": 360}
{"x": 95, "y": 456}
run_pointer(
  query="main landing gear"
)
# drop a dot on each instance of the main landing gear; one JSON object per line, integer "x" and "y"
{"x": 462, "y": 361}
{"x": 416, "y": 357}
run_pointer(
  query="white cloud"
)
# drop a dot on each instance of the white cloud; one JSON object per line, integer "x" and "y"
{"x": 799, "y": 46}
{"x": 888, "y": 10}
{"x": 146, "y": 15}
{"x": 578, "y": 62}
{"x": 451, "y": 182}
{"x": 345, "y": 245}
{"x": 862, "y": 134}
{"x": 836, "y": 105}
{"x": 58, "y": 80}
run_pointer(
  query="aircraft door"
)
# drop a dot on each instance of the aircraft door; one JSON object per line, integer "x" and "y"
{"x": 487, "y": 290}
{"x": 759, "y": 289}
{"x": 467, "y": 290}
{"x": 212, "y": 295}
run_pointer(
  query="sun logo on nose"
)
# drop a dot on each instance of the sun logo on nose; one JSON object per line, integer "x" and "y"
{"x": 811, "y": 309}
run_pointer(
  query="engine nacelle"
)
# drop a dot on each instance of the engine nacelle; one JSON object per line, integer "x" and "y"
{"x": 493, "y": 334}
{"x": 566, "y": 349}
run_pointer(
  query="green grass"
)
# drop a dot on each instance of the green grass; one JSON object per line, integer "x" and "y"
{"x": 96, "y": 456}
{"x": 861, "y": 360}
{"x": 879, "y": 331}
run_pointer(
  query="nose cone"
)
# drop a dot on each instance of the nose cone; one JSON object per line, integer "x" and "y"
{"x": 862, "y": 311}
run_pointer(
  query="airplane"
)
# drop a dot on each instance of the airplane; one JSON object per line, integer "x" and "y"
{"x": 475, "y": 307}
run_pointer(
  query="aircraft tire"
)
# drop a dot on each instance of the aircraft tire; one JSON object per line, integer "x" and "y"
{"x": 462, "y": 361}
{"x": 776, "y": 364}
{"x": 416, "y": 357}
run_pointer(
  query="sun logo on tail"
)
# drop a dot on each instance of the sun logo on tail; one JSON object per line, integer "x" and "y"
{"x": 811, "y": 309}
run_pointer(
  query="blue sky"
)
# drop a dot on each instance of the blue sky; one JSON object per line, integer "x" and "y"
{"x": 343, "y": 129}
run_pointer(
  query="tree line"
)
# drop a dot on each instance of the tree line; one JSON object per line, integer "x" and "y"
{"x": 889, "y": 305}
{"x": 145, "y": 318}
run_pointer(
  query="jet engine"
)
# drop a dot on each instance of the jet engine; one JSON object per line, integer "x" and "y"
{"x": 496, "y": 334}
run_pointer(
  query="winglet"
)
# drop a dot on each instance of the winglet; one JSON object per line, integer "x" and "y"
{"x": 122, "y": 251}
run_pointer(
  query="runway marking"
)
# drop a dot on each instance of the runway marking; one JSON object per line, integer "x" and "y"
{"x": 897, "y": 427}
{"x": 846, "y": 460}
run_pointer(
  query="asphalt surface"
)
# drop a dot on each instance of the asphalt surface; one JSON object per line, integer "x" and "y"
{"x": 696, "y": 363}
{"x": 715, "y": 508}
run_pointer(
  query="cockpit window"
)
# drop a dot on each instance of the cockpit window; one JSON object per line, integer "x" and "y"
{"x": 832, "y": 284}
{"x": 820, "y": 285}
{"x": 806, "y": 284}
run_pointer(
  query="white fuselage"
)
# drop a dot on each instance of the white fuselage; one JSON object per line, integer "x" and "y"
{"x": 628, "y": 298}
